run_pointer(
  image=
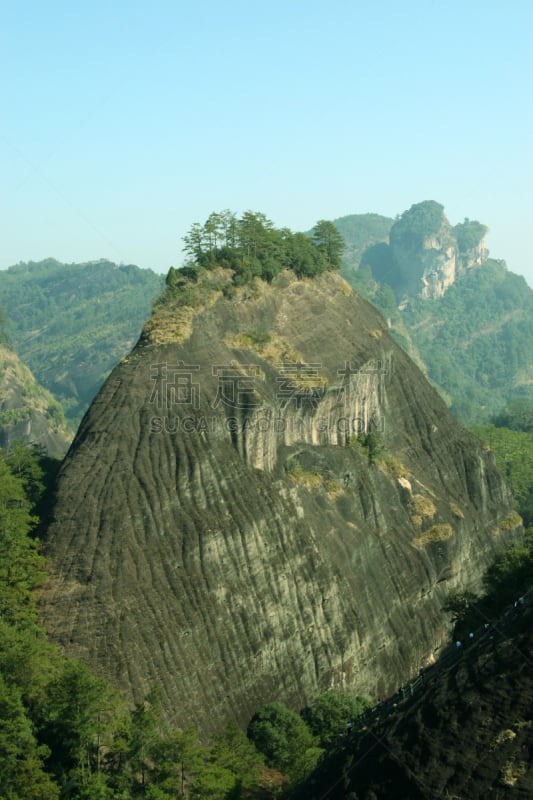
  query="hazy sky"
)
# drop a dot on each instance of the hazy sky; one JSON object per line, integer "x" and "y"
{"x": 125, "y": 122}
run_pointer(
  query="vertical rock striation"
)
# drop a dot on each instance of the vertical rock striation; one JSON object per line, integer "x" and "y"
{"x": 220, "y": 529}
{"x": 428, "y": 255}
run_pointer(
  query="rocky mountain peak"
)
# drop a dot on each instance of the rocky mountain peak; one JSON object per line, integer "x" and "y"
{"x": 428, "y": 253}
{"x": 266, "y": 499}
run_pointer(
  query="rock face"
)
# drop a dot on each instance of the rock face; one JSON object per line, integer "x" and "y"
{"x": 428, "y": 254}
{"x": 28, "y": 412}
{"x": 219, "y": 532}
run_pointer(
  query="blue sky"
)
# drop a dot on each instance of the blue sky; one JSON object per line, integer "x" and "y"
{"x": 124, "y": 123}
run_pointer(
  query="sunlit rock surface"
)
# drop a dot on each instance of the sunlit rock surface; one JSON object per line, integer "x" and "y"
{"x": 219, "y": 532}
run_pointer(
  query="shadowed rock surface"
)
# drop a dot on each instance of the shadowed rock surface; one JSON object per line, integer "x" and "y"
{"x": 467, "y": 735}
{"x": 240, "y": 552}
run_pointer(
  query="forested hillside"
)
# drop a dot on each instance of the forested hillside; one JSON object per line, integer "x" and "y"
{"x": 27, "y": 411}
{"x": 510, "y": 436}
{"x": 466, "y": 732}
{"x": 361, "y": 231}
{"x": 71, "y": 323}
{"x": 473, "y": 340}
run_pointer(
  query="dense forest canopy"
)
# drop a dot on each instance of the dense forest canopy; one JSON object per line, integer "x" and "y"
{"x": 472, "y": 339}
{"x": 510, "y": 436}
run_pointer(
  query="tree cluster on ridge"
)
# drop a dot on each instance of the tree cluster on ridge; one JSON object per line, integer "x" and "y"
{"x": 252, "y": 247}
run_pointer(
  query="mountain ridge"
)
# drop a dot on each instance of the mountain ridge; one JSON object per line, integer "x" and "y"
{"x": 71, "y": 323}
{"x": 477, "y": 368}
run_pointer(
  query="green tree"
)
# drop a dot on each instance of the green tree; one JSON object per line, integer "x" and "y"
{"x": 28, "y": 662}
{"x": 4, "y": 339}
{"x": 513, "y": 450}
{"x": 194, "y": 243}
{"x": 510, "y": 575}
{"x": 466, "y": 611}
{"x": 285, "y": 740}
{"x": 512, "y": 571}
{"x": 22, "y": 773}
{"x": 21, "y": 565}
{"x": 329, "y": 243}
{"x": 252, "y": 247}
{"x": 302, "y": 257}
{"x": 517, "y": 415}
{"x": 27, "y": 463}
{"x": 330, "y": 712}
{"x": 214, "y": 231}
{"x": 170, "y": 762}
{"x": 372, "y": 441}
{"x": 469, "y": 234}
{"x": 213, "y": 782}
{"x": 229, "y": 228}
{"x": 421, "y": 220}
{"x": 77, "y": 721}
{"x": 130, "y": 758}
{"x": 254, "y": 234}
{"x": 233, "y": 751}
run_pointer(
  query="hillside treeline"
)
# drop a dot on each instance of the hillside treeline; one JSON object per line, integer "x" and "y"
{"x": 252, "y": 247}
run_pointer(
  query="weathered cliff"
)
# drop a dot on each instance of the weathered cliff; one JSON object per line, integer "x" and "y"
{"x": 28, "y": 412}
{"x": 216, "y": 532}
{"x": 428, "y": 255}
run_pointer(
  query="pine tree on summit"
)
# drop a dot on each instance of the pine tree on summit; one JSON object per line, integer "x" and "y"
{"x": 252, "y": 247}
{"x": 329, "y": 243}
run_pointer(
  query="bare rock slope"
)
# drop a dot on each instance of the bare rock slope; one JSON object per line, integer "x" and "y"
{"x": 219, "y": 532}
